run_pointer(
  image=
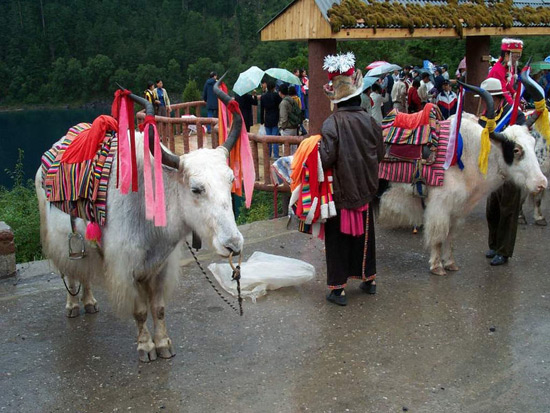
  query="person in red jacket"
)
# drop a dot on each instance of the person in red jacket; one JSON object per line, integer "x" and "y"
{"x": 505, "y": 69}
{"x": 413, "y": 100}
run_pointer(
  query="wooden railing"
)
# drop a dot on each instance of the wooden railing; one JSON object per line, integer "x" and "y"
{"x": 172, "y": 128}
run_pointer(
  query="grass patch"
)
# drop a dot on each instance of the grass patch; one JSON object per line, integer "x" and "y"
{"x": 19, "y": 209}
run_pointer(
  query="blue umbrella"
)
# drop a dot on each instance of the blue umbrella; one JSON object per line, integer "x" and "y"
{"x": 368, "y": 81}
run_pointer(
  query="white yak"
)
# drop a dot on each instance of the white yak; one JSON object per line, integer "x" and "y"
{"x": 512, "y": 157}
{"x": 138, "y": 263}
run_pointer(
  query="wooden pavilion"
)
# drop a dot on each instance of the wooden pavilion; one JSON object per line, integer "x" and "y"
{"x": 324, "y": 22}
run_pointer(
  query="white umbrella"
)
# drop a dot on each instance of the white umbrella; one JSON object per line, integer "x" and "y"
{"x": 283, "y": 75}
{"x": 380, "y": 70}
{"x": 368, "y": 81}
{"x": 248, "y": 80}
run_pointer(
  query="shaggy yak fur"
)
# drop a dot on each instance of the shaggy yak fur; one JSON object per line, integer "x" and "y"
{"x": 446, "y": 205}
{"x": 139, "y": 263}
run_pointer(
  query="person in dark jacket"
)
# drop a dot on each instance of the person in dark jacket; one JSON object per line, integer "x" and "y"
{"x": 210, "y": 97}
{"x": 246, "y": 102}
{"x": 269, "y": 115}
{"x": 504, "y": 204}
{"x": 352, "y": 146}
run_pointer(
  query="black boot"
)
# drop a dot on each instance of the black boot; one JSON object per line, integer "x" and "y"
{"x": 368, "y": 287}
{"x": 338, "y": 297}
{"x": 499, "y": 260}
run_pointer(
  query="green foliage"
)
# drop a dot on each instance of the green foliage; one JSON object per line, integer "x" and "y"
{"x": 191, "y": 93}
{"x": 261, "y": 208}
{"x": 19, "y": 209}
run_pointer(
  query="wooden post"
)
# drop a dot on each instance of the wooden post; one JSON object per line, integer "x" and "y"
{"x": 477, "y": 67}
{"x": 319, "y": 105}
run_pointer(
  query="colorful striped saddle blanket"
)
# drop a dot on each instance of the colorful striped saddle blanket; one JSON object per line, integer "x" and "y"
{"x": 420, "y": 128}
{"x": 81, "y": 188}
{"x": 397, "y": 170}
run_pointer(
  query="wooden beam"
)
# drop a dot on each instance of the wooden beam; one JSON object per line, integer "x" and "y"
{"x": 320, "y": 32}
{"x": 319, "y": 104}
{"x": 477, "y": 67}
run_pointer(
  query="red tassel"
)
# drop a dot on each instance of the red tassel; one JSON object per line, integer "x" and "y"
{"x": 93, "y": 232}
{"x": 233, "y": 106}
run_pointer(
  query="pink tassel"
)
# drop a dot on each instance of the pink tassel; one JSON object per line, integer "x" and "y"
{"x": 93, "y": 232}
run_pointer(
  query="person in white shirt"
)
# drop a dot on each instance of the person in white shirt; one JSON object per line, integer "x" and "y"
{"x": 399, "y": 94}
{"x": 425, "y": 88}
{"x": 377, "y": 102}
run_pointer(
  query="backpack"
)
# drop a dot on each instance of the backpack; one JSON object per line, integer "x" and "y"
{"x": 295, "y": 114}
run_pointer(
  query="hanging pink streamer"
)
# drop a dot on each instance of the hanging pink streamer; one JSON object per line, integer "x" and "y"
{"x": 247, "y": 165}
{"x": 124, "y": 155}
{"x": 155, "y": 208}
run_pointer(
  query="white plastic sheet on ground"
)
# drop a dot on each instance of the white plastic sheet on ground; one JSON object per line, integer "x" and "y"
{"x": 263, "y": 272}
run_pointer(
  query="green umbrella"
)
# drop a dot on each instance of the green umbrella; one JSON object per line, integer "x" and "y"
{"x": 538, "y": 66}
{"x": 248, "y": 80}
{"x": 284, "y": 75}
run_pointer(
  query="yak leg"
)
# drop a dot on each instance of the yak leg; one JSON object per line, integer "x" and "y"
{"x": 163, "y": 343}
{"x": 72, "y": 307}
{"x": 447, "y": 253}
{"x": 436, "y": 232}
{"x": 146, "y": 347}
{"x": 88, "y": 299}
{"x": 539, "y": 218}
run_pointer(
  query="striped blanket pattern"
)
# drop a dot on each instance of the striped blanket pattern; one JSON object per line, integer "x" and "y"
{"x": 421, "y": 135}
{"x": 403, "y": 171}
{"x": 84, "y": 185}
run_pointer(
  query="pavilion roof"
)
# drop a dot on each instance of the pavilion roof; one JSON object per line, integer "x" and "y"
{"x": 401, "y": 18}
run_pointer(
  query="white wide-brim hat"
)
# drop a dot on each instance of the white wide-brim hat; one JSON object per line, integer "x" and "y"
{"x": 492, "y": 86}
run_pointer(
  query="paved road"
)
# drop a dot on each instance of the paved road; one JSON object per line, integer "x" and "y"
{"x": 423, "y": 343}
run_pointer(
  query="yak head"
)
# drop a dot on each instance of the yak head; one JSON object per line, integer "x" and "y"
{"x": 519, "y": 161}
{"x": 518, "y": 148}
{"x": 202, "y": 187}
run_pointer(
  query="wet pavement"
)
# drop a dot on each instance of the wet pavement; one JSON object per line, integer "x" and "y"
{"x": 475, "y": 341}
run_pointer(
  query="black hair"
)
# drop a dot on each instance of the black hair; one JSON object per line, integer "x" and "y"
{"x": 425, "y": 75}
{"x": 376, "y": 87}
{"x": 302, "y": 72}
{"x": 149, "y": 84}
{"x": 212, "y": 74}
{"x": 159, "y": 80}
{"x": 416, "y": 83}
{"x": 283, "y": 89}
{"x": 292, "y": 91}
{"x": 270, "y": 85}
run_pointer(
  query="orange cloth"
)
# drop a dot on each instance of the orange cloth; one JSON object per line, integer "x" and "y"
{"x": 413, "y": 120}
{"x": 304, "y": 150}
{"x": 87, "y": 143}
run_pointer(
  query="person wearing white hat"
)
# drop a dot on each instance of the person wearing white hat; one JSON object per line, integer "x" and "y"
{"x": 351, "y": 145}
{"x": 504, "y": 204}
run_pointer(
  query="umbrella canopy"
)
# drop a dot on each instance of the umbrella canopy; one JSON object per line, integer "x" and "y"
{"x": 462, "y": 64}
{"x": 284, "y": 75}
{"x": 368, "y": 81}
{"x": 538, "y": 66}
{"x": 376, "y": 64}
{"x": 547, "y": 60}
{"x": 248, "y": 80}
{"x": 385, "y": 68}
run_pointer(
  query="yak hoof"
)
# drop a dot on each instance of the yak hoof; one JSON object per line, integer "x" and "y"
{"x": 541, "y": 222}
{"x": 146, "y": 357}
{"x": 522, "y": 220}
{"x": 72, "y": 312}
{"x": 91, "y": 308}
{"x": 451, "y": 267}
{"x": 438, "y": 271}
{"x": 165, "y": 352}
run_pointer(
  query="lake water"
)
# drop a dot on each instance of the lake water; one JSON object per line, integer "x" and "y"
{"x": 35, "y": 131}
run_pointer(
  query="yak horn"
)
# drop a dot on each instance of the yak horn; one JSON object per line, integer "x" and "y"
{"x": 236, "y": 124}
{"x": 534, "y": 90}
{"x": 490, "y": 109}
{"x": 168, "y": 159}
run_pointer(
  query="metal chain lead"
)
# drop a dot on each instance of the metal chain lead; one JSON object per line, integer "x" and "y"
{"x": 240, "y": 310}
